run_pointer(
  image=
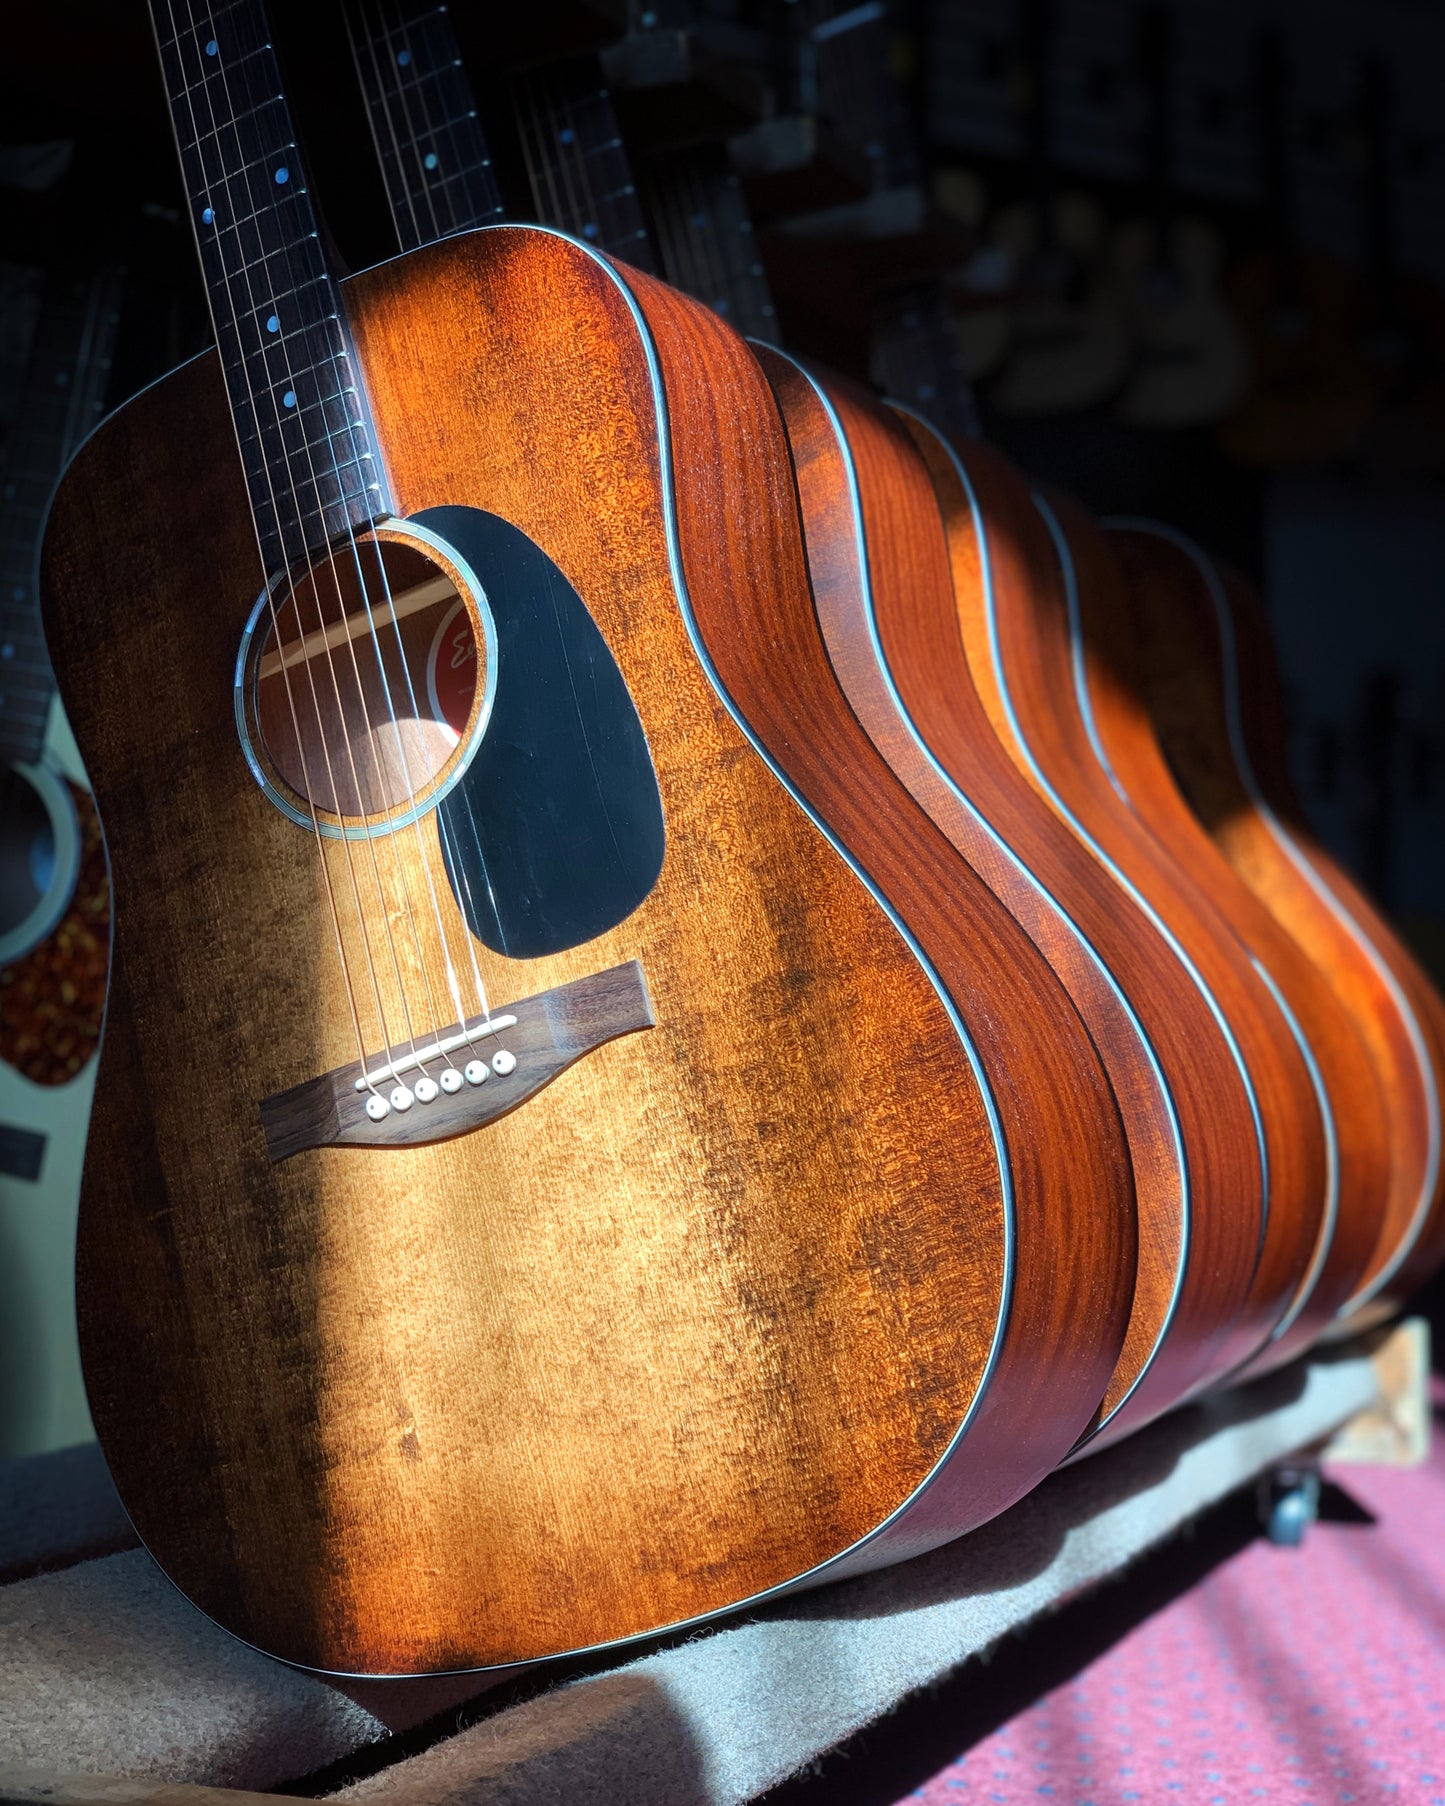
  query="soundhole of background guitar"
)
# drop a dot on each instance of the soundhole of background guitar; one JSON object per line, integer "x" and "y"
{"x": 368, "y": 690}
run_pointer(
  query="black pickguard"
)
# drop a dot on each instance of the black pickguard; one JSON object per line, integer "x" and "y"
{"x": 555, "y": 832}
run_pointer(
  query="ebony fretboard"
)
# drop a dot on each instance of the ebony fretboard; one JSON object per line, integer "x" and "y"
{"x": 311, "y": 465}
{"x": 576, "y": 161}
{"x": 423, "y": 114}
{"x": 705, "y": 235}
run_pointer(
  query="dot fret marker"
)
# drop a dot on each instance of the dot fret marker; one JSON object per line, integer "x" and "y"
{"x": 289, "y": 398}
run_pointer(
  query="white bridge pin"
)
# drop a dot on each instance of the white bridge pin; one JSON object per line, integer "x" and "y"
{"x": 377, "y": 1107}
{"x": 451, "y": 1080}
{"x": 425, "y": 1089}
{"x": 476, "y": 1072}
{"x": 401, "y": 1098}
{"x": 503, "y": 1063}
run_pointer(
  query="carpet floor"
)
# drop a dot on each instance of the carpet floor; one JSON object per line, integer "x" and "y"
{"x": 1223, "y": 1671}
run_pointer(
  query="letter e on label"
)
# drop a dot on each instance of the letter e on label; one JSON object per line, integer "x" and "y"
{"x": 451, "y": 669}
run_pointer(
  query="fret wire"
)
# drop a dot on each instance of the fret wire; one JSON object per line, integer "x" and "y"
{"x": 463, "y": 183}
{"x": 251, "y": 244}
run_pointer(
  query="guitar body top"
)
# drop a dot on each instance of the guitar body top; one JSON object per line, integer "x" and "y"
{"x": 770, "y": 1264}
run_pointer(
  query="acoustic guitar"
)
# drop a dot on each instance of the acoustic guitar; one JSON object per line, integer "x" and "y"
{"x": 885, "y": 596}
{"x": 562, "y": 1177}
{"x": 1184, "y": 620}
{"x": 704, "y": 239}
{"x": 54, "y": 904}
{"x": 701, "y": 232}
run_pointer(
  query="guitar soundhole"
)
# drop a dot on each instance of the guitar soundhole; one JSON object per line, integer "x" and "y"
{"x": 369, "y": 680}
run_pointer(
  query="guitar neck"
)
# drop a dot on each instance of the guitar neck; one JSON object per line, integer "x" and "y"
{"x": 706, "y": 238}
{"x": 577, "y": 164}
{"x": 429, "y": 139}
{"x": 857, "y": 93}
{"x": 433, "y": 148}
{"x": 915, "y": 357}
{"x": 312, "y": 468}
{"x": 62, "y": 398}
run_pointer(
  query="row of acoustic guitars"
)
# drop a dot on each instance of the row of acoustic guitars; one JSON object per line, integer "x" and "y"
{"x": 812, "y": 1006}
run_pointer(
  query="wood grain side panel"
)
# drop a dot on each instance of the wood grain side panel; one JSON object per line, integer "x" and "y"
{"x": 1071, "y": 1179}
{"x": 906, "y": 574}
{"x": 1014, "y": 622}
{"x": 1182, "y": 660}
{"x": 1243, "y": 930}
{"x": 1412, "y": 1010}
{"x": 699, "y": 1315}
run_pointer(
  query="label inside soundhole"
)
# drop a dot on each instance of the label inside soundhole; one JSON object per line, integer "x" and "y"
{"x": 452, "y": 668}
{"x": 359, "y": 705}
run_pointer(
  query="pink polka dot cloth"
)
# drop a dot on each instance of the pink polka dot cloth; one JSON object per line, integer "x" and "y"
{"x": 1312, "y": 1676}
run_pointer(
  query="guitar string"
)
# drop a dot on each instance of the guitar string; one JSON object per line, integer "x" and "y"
{"x": 398, "y": 867}
{"x": 353, "y": 15}
{"x": 714, "y": 277}
{"x": 310, "y": 561}
{"x": 572, "y": 214}
{"x": 541, "y": 172}
{"x": 573, "y": 166}
{"x": 463, "y": 794}
{"x": 424, "y": 69}
{"x": 456, "y": 864}
{"x": 579, "y": 111}
{"x": 188, "y": 89}
{"x": 332, "y": 566}
{"x": 601, "y": 208}
{"x": 459, "y": 866}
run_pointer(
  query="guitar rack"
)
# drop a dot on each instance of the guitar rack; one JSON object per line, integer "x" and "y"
{"x": 115, "y": 1689}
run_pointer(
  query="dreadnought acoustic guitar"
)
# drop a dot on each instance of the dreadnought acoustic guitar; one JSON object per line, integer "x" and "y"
{"x": 1184, "y": 613}
{"x": 700, "y": 226}
{"x": 562, "y": 1176}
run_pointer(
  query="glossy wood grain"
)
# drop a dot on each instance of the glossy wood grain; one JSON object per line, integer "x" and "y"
{"x": 883, "y": 588}
{"x": 1223, "y": 725}
{"x": 1129, "y": 746}
{"x": 716, "y": 1303}
{"x": 1238, "y": 1076}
